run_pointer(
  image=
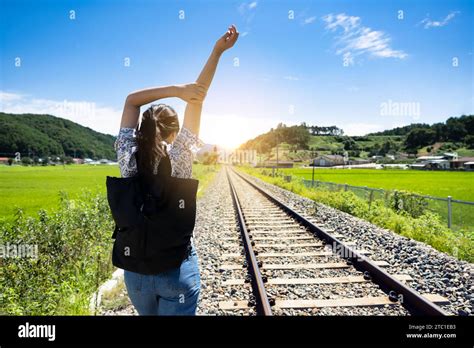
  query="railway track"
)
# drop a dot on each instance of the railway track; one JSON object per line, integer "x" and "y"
{"x": 334, "y": 272}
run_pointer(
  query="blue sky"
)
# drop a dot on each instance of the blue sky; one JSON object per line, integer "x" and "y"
{"x": 361, "y": 65}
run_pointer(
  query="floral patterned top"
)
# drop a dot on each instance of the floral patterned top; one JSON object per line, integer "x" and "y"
{"x": 181, "y": 152}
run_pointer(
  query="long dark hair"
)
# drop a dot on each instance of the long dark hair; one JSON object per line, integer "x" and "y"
{"x": 159, "y": 121}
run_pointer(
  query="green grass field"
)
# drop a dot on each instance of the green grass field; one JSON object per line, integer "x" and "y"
{"x": 458, "y": 185}
{"x": 37, "y": 187}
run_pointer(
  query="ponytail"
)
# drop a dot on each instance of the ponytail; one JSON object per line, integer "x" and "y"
{"x": 158, "y": 122}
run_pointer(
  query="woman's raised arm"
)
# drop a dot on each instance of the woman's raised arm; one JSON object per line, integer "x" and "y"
{"x": 191, "y": 93}
{"x": 192, "y": 114}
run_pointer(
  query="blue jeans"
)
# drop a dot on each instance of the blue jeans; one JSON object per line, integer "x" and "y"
{"x": 173, "y": 292}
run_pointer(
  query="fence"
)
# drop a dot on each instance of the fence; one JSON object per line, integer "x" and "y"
{"x": 456, "y": 213}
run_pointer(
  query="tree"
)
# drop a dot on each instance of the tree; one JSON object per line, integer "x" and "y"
{"x": 455, "y": 129}
{"x": 375, "y": 150}
{"x": 26, "y": 161}
{"x": 210, "y": 158}
{"x": 419, "y": 137}
{"x": 468, "y": 122}
{"x": 350, "y": 144}
{"x": 388, "y": 146}
{"x": 469, "y": 140}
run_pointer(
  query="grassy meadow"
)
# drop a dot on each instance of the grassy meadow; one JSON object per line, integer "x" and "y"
{"x": 38, "y": 187}
{"x": 458, "y": 185}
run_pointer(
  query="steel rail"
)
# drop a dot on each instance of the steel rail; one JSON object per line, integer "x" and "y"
{"x": 410, "y": 299}
{"x": 258, "y": 286}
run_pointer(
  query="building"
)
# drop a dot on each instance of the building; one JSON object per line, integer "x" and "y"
{"x": 3, "y": 160}
{"x": 328, "y": 161}
{"x": 435, "y": 162}
{"x": 431, "y": 162}
{"x": 460, "y": 162}
{"x": 469, "y": 165}
{"x": 452, "y": 156}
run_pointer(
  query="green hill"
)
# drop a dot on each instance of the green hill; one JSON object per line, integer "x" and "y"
{"x": 47, "y": 135}
{"x": 300, "y": 143}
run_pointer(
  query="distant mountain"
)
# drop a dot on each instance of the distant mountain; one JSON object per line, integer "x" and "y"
{"x": 47, "y": 135}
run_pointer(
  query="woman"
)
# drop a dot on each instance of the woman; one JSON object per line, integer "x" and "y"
{"x": 176, "y": 291}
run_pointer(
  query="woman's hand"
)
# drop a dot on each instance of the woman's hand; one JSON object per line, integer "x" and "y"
{"x": 193, "y": 93}
{"x": 227, "y": 40}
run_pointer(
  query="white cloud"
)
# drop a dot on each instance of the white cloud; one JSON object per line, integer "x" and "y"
{"x": 357, "y": 39}
{"x": 309, "y": 20}
{"x": 246, "y": 7}
{"x": 348, "y": 23}
{"x": 247, "y": 11}
{"x": 100, "y": 118}
{"x": 8, "y": 97}
{"x": 428, "y": 23}
{"x": 291, "y": 78}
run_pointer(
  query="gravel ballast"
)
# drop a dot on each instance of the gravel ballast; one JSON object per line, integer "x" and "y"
{"x": 432, "y": 271}
{"x": 216, "y": 234}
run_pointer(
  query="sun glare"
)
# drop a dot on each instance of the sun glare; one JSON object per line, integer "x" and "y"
{"x": 230, "y": 131}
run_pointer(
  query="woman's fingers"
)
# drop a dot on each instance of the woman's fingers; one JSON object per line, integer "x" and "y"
{"x": 201, "y": 89}
{"x": 199, "y": 92}
{"x": 233, "y": 33}
{"x": 227, "y": 40}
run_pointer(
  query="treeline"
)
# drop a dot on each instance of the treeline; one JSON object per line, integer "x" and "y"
{"x": 356, "y": 144}
{"x": 46, "y": 135}
{"x": 297, "y": 136}
{"x": 456, "y": 130}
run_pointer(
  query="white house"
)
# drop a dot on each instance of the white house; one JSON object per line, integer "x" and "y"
{"x": 433, "y": 162}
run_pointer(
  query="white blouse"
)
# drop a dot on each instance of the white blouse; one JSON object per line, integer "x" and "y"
{"x": 181, "y": 152}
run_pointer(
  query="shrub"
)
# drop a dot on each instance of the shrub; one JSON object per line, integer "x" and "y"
{"x": 26, "y": 161}
{"x": 74, "y": 248}
{"x": 407, "y": 202}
